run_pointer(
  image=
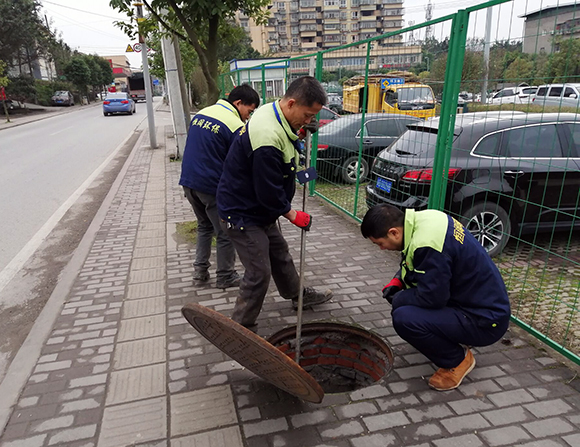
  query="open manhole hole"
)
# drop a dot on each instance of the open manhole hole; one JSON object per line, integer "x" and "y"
{"x": 340, "y": 357}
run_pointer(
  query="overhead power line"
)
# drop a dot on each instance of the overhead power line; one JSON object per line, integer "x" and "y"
{"x": 81, "y": 10}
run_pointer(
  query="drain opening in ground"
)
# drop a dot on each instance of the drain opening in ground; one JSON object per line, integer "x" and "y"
{"x": 341, "y": 358}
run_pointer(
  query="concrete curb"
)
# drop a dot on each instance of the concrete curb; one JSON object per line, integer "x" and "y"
{"x": 4, "y": 126}
{"x": 25, "y": 360}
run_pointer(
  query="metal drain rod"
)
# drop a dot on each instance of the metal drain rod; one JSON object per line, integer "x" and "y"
{"x": 307, "y": 149}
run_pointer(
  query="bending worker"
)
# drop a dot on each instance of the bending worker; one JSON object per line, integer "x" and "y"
{"x": 211, "y": 132}
{"x": 257, "y": 187}
{"x": 448, "y": 294}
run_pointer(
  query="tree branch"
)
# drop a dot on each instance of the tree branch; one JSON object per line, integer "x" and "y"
{"x": 164, "y": 23}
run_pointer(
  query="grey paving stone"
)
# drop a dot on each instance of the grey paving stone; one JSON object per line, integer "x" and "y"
{"x": 548, "y": 408}
{"x": 415, "y": 371}
{"x": 79, "y": 405}
{"x": 33, "y": 441}
{"x": 345, "y": 429}
{"x": 548, "y": 427}
{"x": 511, "y": 435}
{"x": 249, "y": 414}
{"x": 312, "y": 418}
{"x": 572, "y": 440}
{"x": 543, "y": 443}
{"x": 459, "y": 441}
{"x": 513, "y": 397}
{"x": 88, "y": 381}
{"x": 202, "y": 410}
{"x": 428, "y": 413}
{"x": 225, "y": 437}
{"x": 139, "y": 352}
{"x": 136, "y": 383}
{"x": 51, "y": 424}
{"x": 73, "y": 434}
{"x": 419, "y": 432}
{"x": 370, "y": 392}
{"x": 376, "y": 440}
{"x": 464, "y": 423}
{"x": 143, "y": 307}
{"x": 146, "y": 275}
{"x": 148, "y": 263}
{"x": 265, "y": 427}
{"x": 395, "y": 403}
{"x": 466, "y": 406}
{"x": 507, "y": 416}
{"x": 144, "y": 327}
{"x": 127, "y": 424}
{"x": 385, "y": 421}
{"x": 145, "y": 290}
{"x": 355, "y": 410}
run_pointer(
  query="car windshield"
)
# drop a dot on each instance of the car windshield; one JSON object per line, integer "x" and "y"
{"x": 415, "y": 95}
{"x": 60, "y": 93}
{"x": 339, "y": 125}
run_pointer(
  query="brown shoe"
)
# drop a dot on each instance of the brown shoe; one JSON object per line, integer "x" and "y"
{"x": 447, "y": 379}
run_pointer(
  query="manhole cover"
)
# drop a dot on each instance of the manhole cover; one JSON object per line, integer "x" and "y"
{"x": 341, "y": 357}
{"x": 253, "y": 352}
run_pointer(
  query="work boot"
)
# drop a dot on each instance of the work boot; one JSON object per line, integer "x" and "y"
{"x": 311, "y": 298}
{"x": 447, "y": 379}
{"x": 201, "y": 276}
{"x": 232, "y": 281}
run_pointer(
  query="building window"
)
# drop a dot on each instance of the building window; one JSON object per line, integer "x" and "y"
{"x": 281, "y": 5}
{"x": 331, "y": 15}
{"x": 307, "y": 15}
{"x": 330, "y": 2}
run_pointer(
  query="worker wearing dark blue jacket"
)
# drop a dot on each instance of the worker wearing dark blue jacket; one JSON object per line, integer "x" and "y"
{"x": 448, "y": 294}
{"x": 257, "y": 187}
{"x": 210, "y": 134}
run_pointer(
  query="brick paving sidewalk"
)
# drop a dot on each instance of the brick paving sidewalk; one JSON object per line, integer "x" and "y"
{"x": 123, "y": 368}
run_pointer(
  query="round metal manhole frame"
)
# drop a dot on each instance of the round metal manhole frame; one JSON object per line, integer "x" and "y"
{"x": 253, "y": 352}
{"x": 288, "y": 335}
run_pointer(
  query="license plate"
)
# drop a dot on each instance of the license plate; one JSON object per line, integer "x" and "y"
{"x": 384, "y": 185}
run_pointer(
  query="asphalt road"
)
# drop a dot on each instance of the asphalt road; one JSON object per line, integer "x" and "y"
{"x": 44, "y": 167}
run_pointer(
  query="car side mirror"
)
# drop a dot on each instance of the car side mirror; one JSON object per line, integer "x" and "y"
{"x": 573, "y": 96}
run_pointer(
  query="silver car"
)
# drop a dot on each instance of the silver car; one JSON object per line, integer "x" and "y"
{"x": 558, "y": 95}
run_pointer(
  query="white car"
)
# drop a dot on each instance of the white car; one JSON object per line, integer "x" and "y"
{"x": 514, "y": 95}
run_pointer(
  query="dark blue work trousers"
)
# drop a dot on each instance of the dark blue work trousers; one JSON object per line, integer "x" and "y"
{"x": 440, "y": 333}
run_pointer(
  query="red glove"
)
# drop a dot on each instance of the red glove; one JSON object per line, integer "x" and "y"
{"x": 302, "y": 220}
{"x": 396, "y": 285}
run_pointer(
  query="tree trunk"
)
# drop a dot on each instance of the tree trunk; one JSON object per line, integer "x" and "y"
{"x": 212, "y": 59}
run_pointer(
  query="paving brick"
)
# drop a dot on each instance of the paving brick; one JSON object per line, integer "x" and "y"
{"x": 548, "y": 408}
{"x": 507, "y": 416}
{"x": 136, "y": 383}
{"x": 572, "y": 440}
{"x": 33, "y": 441}
{"x": 428, "y": 413}
{"x": 312, "y": 418}
{"x": 265, "y": 427}
{"x": 505, "y": 436}
{"x": 376, "y": 440}
{"x": 370, "y": 392}
{"x": 139, "y": 352}
{"x": 464, "y": 423}
{"x": 459, "y": 441}
{"x": 355, "y": 410}
{"x": 548, "y": 427}
{"x": 88, "y": 381}
{"x": 127, "y": 424}
{"x": 413, "y": 433}
{"x": 513, "y": 397}
{"x": 145, "y": 290}
{"x": 225, "y": 437}
{"x": 385, "y": 421}
{"x": 342, "y": 430}
{"x": 466, "y": 406}
{"x": 143, "y": 307}
{"x": 143, "y": 327}
{"x": 78, "y": 405}
{"x": 202, "y": 410}
{"x": 73, "y": 434}
{"x": 51, "y": 424}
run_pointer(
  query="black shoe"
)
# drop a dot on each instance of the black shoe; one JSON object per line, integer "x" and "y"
{"x": 312, "y": 298}
{"x": 232, "y": 281}
{"x": 200, "y": 276}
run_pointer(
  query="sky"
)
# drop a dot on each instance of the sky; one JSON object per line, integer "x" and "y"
{"x": 87, "y": 25}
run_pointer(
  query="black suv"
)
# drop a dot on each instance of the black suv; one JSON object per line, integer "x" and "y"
{"x": 510, "y": 173}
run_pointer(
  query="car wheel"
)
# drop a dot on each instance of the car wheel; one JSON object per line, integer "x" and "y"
{"x": 350, "y": 167}
{"x": 105, "y": 113}
{"x": 490, "y": 224}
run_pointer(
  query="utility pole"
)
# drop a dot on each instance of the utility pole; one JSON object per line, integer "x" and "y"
{"x": 146, "y": 79}
{"x": 178, "y": 115}
{"x": 486, "y": 55}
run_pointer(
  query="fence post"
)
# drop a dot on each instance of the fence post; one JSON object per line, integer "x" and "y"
{"x": 263, "y": 84}
{"x": 314, "y": 153}
{"x": 365, "y": 93}
{"x": 446, "y": 129}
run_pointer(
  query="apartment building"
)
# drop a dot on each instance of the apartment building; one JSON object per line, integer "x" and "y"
{"x": 306, "y": 26}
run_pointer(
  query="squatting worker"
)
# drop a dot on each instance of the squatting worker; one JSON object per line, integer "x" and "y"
{"x": 257, "y": 187}
{"x": 448, "y": 294}
{"x": 210, "y": 135}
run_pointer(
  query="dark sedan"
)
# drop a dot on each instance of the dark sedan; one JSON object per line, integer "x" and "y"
{"x": 510, "y": 173}
{"x": 339, "y": 143}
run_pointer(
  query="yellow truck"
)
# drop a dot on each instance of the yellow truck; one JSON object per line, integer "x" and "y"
{"x": 394, "y": 92}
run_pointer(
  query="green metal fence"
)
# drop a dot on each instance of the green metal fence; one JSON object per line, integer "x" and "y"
{"x": 452, "y": 136}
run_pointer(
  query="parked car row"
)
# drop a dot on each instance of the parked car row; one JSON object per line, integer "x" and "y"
{"x": 510, "y": 173}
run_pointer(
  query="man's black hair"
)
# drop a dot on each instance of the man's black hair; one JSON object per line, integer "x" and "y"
{"x": 306, "y": 91}
{"x": 380, "y": 219}
{"x": 246, "y": 93}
